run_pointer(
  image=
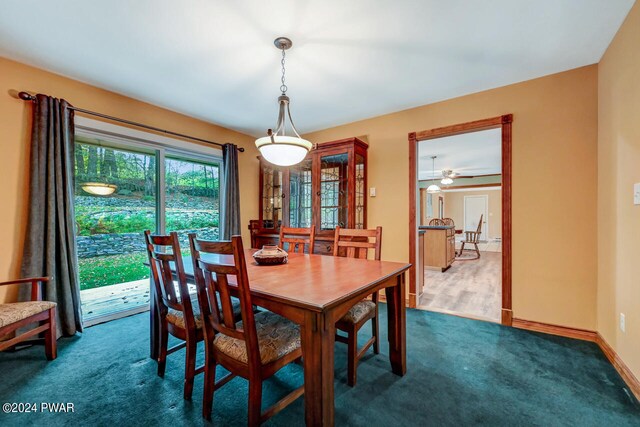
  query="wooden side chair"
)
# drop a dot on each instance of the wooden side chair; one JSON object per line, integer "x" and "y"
{"x": 255, "y": 348}
{"x": 437, "y": 221}
{"x": 449, "y": 221}
{"x": 354, "y": 243}
{"x": 179, "y": 316}
{"x": 297, "y": 238}
{"x": 16, "y": 315}
{"x": 472, "y": 238}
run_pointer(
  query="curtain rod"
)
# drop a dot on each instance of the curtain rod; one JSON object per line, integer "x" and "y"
{"x": 25, "y": 96}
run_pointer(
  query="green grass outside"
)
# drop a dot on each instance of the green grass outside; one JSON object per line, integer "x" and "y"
{"x": 110, "y": 270}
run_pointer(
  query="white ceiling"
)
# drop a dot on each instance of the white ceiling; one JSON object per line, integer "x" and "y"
{"x": 351, "y": 59}
{"x": 469, "y": 154}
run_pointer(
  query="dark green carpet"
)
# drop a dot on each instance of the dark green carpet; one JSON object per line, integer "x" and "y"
{"x": 459, "y": 372}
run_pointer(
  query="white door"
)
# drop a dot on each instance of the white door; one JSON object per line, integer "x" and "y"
{"x": 474, "y": 207}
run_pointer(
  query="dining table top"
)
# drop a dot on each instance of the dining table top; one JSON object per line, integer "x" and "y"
{"x": 314, "y": 282}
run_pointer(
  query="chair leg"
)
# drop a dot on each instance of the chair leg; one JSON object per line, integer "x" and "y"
{"x": 189, "y": 367}
{"x": 255, "y": 401}
{"x": 352, "y": 354}
{"x": 164, "y": 342}
{"x": 477, "y": 250}
{"x": 209, "y": 383}
{"x": 50, "y": 343}
{"x": 375, "y": 326}
{"x": 461, "y": 249}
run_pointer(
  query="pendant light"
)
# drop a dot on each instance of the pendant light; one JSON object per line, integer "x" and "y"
{"x": 278, "y": 147}
{"x": 99, "y": 188}
{"x": 433, "y": 188}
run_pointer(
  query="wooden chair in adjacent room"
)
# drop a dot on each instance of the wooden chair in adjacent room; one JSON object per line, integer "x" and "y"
{"x": 179, "y": 315}
{"x": 354, "y": 243}
{"x": 449, "y": 221}
{"x": 295, "y": 239}
{"x": 254, "y": 349}
{"x": 437, "y": 221}
{"x": 472, "y": 238}
{"x": 20, "y": 314}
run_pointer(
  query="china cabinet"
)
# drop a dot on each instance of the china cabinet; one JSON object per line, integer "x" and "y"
{"x": 327, "y": 189}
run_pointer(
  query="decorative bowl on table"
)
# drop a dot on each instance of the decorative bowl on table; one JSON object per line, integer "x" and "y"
{"x": 270, "y": 255}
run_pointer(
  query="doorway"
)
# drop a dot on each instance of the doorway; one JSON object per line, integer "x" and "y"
{"x": 476, "y": 209}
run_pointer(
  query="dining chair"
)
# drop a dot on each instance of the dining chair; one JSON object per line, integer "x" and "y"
{"x": 472, "y": 238}
{"x": 354, "y": 243}
{"x": 437, "y": 221}
{"x": 16, "y": 315}
{"x": 179, "y": 316}
{"x": 449, "y": 221}
{"x": 255, "y": 348}
{"x": 297, "y": 238}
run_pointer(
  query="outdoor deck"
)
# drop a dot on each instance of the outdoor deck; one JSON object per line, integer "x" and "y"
{"x": 108, "y": 302}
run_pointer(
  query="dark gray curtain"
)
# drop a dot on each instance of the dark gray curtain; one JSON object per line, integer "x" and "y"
{"x": 230, "y": 203}
{"x": 50, "y": 246}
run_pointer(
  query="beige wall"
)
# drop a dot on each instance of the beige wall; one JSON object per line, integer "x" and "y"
{"x": 15, "y": 117}
{"x": 454, "y": 209}
{"x": 554, "y": 212}
{"x": 618, "y": 170}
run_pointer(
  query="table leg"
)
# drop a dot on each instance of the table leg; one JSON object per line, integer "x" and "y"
{"x": 154, "y": 318}
{"x": 318, "y": 337}
{"x": 396, "y": 313}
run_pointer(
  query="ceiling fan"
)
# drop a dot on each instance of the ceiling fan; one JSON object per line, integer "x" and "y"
{"x": 447, "y": 176}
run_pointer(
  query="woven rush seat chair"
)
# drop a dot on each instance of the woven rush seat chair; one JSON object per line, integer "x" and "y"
{"x": 256, "y": 347}
{"x": 20, "y": 314}
{"x": 354, "y": 243}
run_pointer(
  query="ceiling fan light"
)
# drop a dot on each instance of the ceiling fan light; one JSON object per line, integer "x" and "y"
{"x": 446, "y": 181}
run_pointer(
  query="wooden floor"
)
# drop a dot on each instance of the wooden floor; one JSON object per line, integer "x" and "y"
{"x": 468, "y": 288}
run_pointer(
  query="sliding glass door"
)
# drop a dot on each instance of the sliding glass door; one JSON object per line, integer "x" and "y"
{"x": 153, "y": 189}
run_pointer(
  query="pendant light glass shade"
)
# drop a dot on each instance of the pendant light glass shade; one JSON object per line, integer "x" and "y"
{"x": 433, "y": 188}
{"x": 277, "y": 147}
{"x": 99, "y": 188}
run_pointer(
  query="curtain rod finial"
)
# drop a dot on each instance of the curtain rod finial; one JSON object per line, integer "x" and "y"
{"x": 26, "y": 96}
{"x": 241, "y": 150}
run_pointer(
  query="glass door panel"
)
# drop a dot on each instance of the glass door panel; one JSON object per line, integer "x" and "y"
{"x": 192, "y": 195}
{"x": 300, "y": 196}
{"x": 333, "y": 191}
{"x": 271, "y": 197}
{"x": 109, "y": 228}
{"x": 360, "y": 191}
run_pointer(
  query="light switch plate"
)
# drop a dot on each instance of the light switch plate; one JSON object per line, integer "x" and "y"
{"x": 372, "y": 192}
{"x": 636, "y": 193}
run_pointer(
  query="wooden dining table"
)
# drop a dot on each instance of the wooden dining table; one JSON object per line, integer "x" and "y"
{"x": 315, "y": 291}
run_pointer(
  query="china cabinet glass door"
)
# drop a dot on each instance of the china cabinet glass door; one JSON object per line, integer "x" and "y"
{"x": 300, "y": 194}
{"x": 333, "y": 192}
{"x": 272, "y": 193}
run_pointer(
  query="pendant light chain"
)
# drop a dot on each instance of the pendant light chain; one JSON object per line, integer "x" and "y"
{"x": 283, "y": 87}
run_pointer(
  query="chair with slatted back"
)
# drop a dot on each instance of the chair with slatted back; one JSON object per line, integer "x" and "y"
{"x": 437, "y": 221}
{"x": 297, "y": 238}
{"x": 354, "y": 243}
{"x": 473, "y": 238}
{"x": 179, "y": 315}
{"x": 255, "y": 348}
{"x": 449, "y": 221}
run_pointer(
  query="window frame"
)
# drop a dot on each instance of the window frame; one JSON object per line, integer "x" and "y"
{"x": 127, "y": 139}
